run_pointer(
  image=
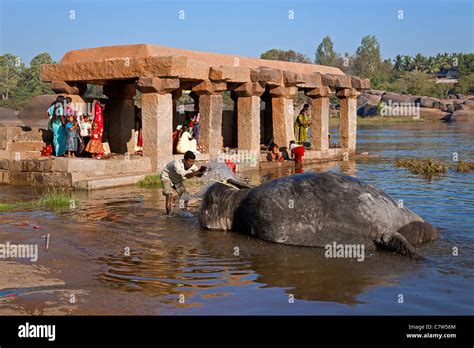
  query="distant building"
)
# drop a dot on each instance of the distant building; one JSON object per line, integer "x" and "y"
{"x": 447, "y": 76}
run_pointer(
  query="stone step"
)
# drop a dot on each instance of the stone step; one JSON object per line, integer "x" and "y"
{"x": 36, "y": 179}
{"x": 108, "y": 181}
{"x": 13, "y": 133}
{"x": 103, "y": 166}
{"x": 21, "y": 146}
{"x": 75, "y": 165}
{"x": 19, "y": 155}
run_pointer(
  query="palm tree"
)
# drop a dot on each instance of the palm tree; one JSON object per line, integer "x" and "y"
{"x": 398, "y": 63}
{"x": 419, "y": 62}
{"x": 407, "y": 63}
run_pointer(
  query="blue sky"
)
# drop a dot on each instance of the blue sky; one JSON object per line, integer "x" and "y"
{"x": 247, "y": 27}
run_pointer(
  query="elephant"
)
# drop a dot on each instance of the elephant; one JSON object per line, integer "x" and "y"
{"x": 315, "y": 210}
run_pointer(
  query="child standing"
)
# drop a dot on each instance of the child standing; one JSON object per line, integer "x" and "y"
{"x": 72, "y": 136}
{"x": 95, "y": 145}
{"x": 85, "y": 128}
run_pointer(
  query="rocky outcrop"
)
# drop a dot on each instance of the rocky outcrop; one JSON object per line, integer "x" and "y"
{"x": 430, "y": 108}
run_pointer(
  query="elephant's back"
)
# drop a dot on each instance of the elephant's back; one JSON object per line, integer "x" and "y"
{"x": 316, "y": 209}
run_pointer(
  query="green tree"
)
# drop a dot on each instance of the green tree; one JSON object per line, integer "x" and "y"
{"x": 287, "y": 56}
{"x": 398, "y": 63}
{"x": 419, "y": 83}
{"x": 368, "y": 59}
{"x": 464, "y": 64}
{"x": 465, "y": 84}
{"x": 407, "y": 63}
{"x": 419, "y": 62}
{"x": 346, "y": 64}
{"x": 10, "y": 67}
{"x": 31, "y": 79}
{"x": 325, "y": 54}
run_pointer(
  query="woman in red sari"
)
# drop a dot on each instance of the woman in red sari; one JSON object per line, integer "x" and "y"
{"x": 99, "y": 120}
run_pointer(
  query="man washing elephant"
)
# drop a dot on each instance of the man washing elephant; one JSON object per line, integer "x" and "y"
{"x": 173, "y": 176}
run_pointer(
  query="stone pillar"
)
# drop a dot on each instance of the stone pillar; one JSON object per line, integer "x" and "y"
{"x": 248, "y": 116}
{"x": 210, "y": 109}
{"x": 157, "y": 119}
{"x": 121, "y": 115}
{"x": 320, "y": 120}
{"x": 283, "y": 114}
{"x": 348, "y": 118}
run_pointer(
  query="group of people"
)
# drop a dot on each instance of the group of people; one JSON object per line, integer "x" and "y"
{"x": 75, "y": 134}
{"x": 186, "y": 136}
{"x": 280, "y": 154}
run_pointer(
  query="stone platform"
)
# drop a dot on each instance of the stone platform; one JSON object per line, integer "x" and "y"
{"x": 79, "y": 173}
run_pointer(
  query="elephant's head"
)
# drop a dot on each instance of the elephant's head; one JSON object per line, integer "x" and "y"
{"x": 220, "y": 203}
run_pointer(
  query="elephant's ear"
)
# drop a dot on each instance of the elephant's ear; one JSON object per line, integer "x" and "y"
{"x": 397, "y": 242}
{"x": 239, "y": 185}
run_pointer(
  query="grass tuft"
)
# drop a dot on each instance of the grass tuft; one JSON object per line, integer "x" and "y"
{"x": 54, "y": 198}
{"x": 465, "y": 167}
{"x": 51, "y": 198}
{"x": 7, "y": 207}
{"x": 426, "y": 167}
{"x": 150, "y": 181}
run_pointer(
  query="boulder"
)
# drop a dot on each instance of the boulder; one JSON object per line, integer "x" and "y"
{"x": 463, "y": 116}
{"x": 468, "y": 105}
{"x": 399, "y": 98}
{"x": 433, "y": 114}
{"x": 34, "y": 114}
{"x": 367, "y": 110}
{"x": 366, "y": 98}
{"x": 448, "y": 101}
{"x": 376, "y": 92}
{"x": 428, "y": 102}
{"x": 449, "y": 108}
{"x": 9, "y": 117}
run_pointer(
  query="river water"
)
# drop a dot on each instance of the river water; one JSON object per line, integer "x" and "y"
{"x": 174, "y": 267}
